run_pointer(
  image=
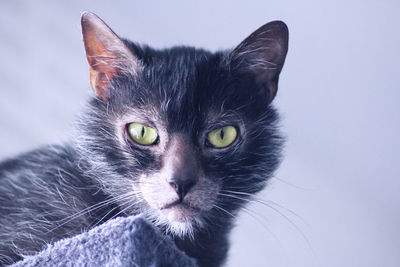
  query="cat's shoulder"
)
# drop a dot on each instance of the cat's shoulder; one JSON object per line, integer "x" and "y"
{"x": 45, "y": 163}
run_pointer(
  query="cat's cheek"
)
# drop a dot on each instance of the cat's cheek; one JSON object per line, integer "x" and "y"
{"x": 203, "y": 195}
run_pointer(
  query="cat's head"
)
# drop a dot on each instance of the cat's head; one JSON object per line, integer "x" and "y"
{"x": 182, "y": 135}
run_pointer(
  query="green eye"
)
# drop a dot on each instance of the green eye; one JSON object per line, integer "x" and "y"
{"x": 222, "y": 137}
{"x": 142, "y": 134}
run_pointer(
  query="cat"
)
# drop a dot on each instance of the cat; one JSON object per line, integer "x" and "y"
{"x": 182, "y": 135}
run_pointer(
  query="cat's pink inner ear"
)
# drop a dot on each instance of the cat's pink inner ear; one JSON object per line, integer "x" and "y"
{"x": 106, "y": 53}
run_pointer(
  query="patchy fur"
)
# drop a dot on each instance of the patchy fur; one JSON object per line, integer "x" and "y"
{"x": 60, "y": 191}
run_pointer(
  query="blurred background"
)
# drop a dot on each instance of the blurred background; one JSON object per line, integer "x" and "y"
{"x": 335, "y": 199}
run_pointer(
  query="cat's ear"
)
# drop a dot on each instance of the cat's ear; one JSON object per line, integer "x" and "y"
{"x": 262, "y": 55}
{"x": 106, "y": 53}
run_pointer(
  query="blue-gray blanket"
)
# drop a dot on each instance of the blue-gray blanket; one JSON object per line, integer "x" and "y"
{"x": 120, "y": 242}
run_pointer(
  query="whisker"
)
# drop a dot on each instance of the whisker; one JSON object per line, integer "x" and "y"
{"x": 102, "y": 218}
{"x": 278, "y": 212}
{"x": 87, "y": 210}
{"x": 261, "y": 222}
{"x": 267, "y": 202}
{"x": 290, "y": 184}
{"x": 124, "y": 209}
{"x": 224, "y": 210}
{"x": 94, "y": 207}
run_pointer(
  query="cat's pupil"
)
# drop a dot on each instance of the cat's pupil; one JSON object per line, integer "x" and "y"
{"x": 143, "y": 131}
{"x": 221, "y": 133}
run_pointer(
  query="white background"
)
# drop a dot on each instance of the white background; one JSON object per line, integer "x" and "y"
{"x": 339, "y": 98}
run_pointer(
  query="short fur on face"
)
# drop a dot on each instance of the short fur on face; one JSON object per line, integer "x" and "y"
{"x": 184, "y": 93}
{"x": 180, "y": 180}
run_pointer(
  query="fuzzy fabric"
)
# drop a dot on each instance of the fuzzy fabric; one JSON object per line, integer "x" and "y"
{"x": 127, "y": 241}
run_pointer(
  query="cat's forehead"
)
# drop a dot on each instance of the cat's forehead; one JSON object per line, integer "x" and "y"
{"x": 181, "y": 69}
{"x": 183, "y": 89}
{"x": 180, "y": 82}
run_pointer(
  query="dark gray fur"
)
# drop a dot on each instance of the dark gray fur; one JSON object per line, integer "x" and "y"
{"x": 193, "y": 91}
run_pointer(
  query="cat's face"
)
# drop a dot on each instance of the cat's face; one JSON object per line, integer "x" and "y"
{"x": 182, "y": 135}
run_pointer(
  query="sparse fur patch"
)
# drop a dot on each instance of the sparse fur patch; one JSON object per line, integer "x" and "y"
{"x": 178, "y": 183}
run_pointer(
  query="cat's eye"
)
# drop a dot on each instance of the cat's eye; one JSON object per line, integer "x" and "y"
{"x": 222, "y": 137}
{"x": 142, "y": 134}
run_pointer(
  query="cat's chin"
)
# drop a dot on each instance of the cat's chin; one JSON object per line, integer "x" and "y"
{"x": 181, "y": 219}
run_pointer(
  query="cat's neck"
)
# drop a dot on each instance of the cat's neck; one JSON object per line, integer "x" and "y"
{"x": 209, "y": 244}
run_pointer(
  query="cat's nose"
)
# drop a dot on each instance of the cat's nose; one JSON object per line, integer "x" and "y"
{"x": 182, "y": 186}
{"x": 183, "y": 165}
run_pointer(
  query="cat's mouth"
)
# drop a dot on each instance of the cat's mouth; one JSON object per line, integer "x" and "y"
{"x": 179, "y": 211}
{"x": 179, "y": 214}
